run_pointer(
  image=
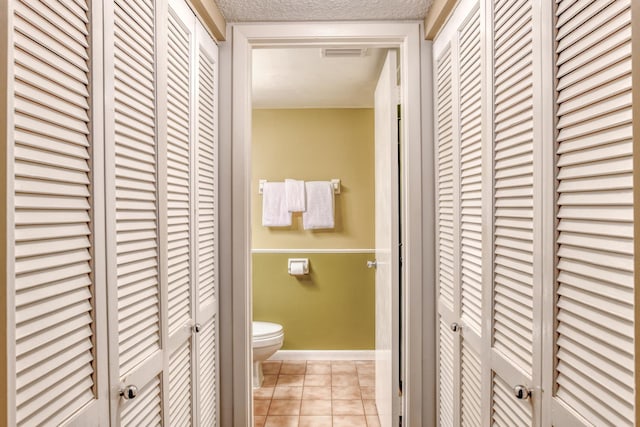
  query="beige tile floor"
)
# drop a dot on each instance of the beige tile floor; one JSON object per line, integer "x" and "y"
{"x": 316, "y": 394}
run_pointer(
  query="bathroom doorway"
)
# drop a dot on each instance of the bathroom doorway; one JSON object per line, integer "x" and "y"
{"x": 322, "y": 115}
{"x": 246, "y": 39}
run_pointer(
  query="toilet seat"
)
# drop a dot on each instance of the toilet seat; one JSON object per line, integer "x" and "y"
{"x": 266, "y": 334}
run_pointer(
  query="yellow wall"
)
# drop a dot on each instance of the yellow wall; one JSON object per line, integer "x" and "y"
{"x": 316, "y": 145}
{"x": 333, "y": 307}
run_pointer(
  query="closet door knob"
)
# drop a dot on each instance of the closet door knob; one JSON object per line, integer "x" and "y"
{"x": 372, "y": 264}
{"x": 521, "y": 392}
{"x": 455, "y": 327}
{"x": 197, "y": 327}
{"x": 129, "y": 392}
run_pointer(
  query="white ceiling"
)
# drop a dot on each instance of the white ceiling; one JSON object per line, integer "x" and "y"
{"x": 321, "y": 10}
{"x": 303, "y": 78}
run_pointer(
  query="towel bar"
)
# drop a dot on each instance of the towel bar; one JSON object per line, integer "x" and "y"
{"x": 334, "y": 182}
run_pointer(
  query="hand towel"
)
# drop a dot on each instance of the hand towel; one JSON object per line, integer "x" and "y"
{"x": 320, "y": 211}
{"x": 274, "y": 209}
{"x": 294, "y": 194}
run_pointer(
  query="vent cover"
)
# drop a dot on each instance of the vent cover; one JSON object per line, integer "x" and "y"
{"x": 343, "y": 52}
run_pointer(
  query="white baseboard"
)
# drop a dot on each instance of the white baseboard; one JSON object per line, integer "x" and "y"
{"x": 324, "y": 355}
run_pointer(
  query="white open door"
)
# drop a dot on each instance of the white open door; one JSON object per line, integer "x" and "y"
{"x": 387, "y": 244}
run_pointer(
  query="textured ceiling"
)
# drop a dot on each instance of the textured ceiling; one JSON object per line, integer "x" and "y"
{"x": 303, "y": 78}
{"x": 322, "y": 10}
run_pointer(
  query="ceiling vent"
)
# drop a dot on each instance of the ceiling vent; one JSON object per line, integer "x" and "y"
{"x": 338, "y": 52}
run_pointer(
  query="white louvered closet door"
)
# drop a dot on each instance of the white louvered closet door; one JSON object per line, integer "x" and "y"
{"x": 459, "y": 208}
{"x": 206, "y": 225}
{"x": 447, "y": 235}
{"x": 180, "y": 25}
{"x": 136, "y": 212}
{"x": 192, "y": 219}
{"x": 593, "y": 376}
{"x": 513, "y": 345}
{"x": 470, "y": 215}
{"x": 57, "y": 278}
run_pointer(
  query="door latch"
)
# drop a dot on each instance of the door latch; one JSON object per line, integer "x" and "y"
{"x": 521, "y": 392}
{"x": 129, "y": 392}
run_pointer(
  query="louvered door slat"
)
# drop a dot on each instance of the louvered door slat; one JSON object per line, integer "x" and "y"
{"x": 507, "y": 411}
{"x": 53, "y": 286}
{"x": 513, "y": 199}
{"x": 445, "y": 375}
{"x": 571, "y": 26}
{"x": 30, "y": 53}
{"x": 207, "y": 183}
{"x": 40, "y": 370}
{"x": 135, "y": 160}
{"x": 446, "y": 263}
{"x": 145, "y": 409}
{"x": 137, "y": 208}
{"x": 470, "y": 218}
{"x": 38, "y": 30}
{"x": 181, "y": 177}
{"x": 595, "y": 330}
{"x": 71, "y": 14}
{"x": 581, "y": 355}
{"x": 178, "y": 171}
{"x": 208, "y": 373}
{"x": 206, "y": 237}
{"x": 470, "y": 177}
{"x": 458, "y": 170}
{"x": 514, "y": 62}
{"x": 512, "y": 22}
{"x": 594, "y": 303}
{"x": 471, "y": 390}
{"x": 47, "y": 18}
{"x": 445, "y": 180}
{"x": 606, "y": 384}
{"x": 55, "y": 145}
{"x": 180, "y": 386}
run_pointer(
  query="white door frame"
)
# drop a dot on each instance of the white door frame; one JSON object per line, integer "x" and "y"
{"x": 235, "y": 171}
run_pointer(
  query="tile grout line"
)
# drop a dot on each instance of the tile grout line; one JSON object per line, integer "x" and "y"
{"x": 358, "y": 372}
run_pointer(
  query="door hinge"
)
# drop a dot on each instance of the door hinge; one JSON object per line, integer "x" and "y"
{"x": 400, "y": 423}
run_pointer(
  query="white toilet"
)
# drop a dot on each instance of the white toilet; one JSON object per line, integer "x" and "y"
{"x": 267, "y": 339}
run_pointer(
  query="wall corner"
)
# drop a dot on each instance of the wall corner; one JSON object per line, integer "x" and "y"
{"x": 211, "y": 17}
{"x": 436, "y": 17}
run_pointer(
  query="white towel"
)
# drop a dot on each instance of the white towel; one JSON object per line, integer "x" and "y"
{"x": 319, "y": 213}
{"x": 274, "y": 209}
{"x": 294, "y": 195}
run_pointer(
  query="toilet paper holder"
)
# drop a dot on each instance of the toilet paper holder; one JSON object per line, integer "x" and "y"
{"x": 298, "y": 266}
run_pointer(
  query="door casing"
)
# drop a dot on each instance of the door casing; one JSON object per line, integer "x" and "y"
{"x": 235, "y": 184}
